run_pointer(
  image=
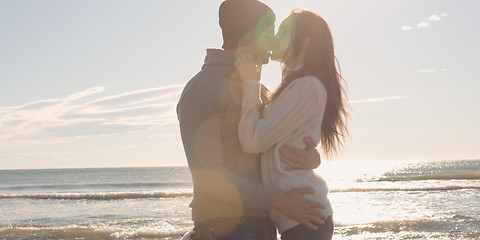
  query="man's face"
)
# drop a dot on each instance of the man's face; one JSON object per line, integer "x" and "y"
{"x": 264, "y": 44}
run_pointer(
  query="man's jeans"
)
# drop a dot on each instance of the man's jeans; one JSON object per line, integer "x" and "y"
{"x": 245, "y": 228}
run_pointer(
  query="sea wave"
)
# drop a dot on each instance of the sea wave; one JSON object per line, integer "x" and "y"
{"x": 458, "y": 176}
{"x": 103, "y": 196}
{"x": 97, "y": 195}
{"x": 90, "y": 232}
{"x": 100, "y": 185}
{"x": 454, "y": 227}
{"x": 457, "y": 226}
{"x": 390, "y": 189}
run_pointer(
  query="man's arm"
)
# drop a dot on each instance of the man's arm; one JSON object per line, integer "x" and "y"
{"x": 199, "y": 113}
{"x": 300, "y": 159}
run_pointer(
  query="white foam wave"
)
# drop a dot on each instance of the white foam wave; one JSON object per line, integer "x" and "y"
{"x": 389, "y": 189}
{"x": 87, "y": 232}
{"x": 100, "y": 185}
{"x": 97, "y": 195}
{"x": 459, "y": 176}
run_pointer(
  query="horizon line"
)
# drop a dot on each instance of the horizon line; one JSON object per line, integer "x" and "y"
{"x": 173, "y": 166}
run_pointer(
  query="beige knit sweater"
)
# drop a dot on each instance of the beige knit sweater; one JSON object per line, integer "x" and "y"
{"x": 296, "y": 113}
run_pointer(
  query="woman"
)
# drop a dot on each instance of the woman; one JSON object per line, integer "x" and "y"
{"x": 310, "y": 101}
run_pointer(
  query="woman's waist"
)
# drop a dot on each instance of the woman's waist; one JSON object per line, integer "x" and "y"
{"x": 289, "y": 180}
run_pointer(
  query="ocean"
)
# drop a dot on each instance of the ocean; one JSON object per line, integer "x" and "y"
{"x": 371, "y": 200}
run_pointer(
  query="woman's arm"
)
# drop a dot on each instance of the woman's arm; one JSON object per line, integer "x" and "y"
{"x": 297, "y": 104}
{"x": 296, "y": 158}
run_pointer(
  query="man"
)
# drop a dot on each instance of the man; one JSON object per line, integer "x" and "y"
{"x": 229, "y": 201}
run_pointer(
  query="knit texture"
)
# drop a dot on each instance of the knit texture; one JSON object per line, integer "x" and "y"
{"x": 242, "y": 21}
{"x": 226, "y": 180}
{"x": 296, "y": 113}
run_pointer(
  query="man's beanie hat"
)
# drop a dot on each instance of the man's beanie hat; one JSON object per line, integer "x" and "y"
{"x": 243, "y": 20}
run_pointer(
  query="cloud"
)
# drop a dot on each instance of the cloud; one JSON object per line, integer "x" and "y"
{"x": 431, "y": 70}
{"x": 45, "y": 103}
{"x": 424, "y": 24}
{"x": 165, "y": 135}
{"x": 138, "y": 96}
{"x": 34, "y": 154}
{"x": 84, "y": 93}
{"x": 130, "y": 146}
{"x": 54, "y": 119}
{"x": 406, "y": 28}
{"x": 434, "y": 18}
{"x": 380, "y": 99}
{"x": 129, "y": 112}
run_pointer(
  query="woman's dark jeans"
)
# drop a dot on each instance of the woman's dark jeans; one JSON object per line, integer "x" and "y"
{"x": 245, "y": 228}
{"x": 301, "y": 232}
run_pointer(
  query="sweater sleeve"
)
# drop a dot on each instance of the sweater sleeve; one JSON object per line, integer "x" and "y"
{"x": 295, "y": 105}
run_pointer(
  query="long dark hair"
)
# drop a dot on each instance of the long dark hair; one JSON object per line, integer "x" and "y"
{"x": 320, "y": 62}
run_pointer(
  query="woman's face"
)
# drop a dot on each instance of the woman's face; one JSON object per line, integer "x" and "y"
{"x": 265, "y": 44}
{"x": 282, "y": 47}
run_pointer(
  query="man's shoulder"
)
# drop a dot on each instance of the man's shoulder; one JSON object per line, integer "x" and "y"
{"x": 206, "y": 83}
{"x": 208, "y": 76}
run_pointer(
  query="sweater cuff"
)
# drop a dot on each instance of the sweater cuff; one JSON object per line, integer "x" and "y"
{"x": 251, "y": 93}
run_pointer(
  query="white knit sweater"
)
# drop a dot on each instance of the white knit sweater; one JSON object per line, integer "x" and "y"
{"x": 296, "y": 113}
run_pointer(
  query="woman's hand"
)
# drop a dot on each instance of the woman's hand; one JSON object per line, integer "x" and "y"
{"x": 248, "y": 67}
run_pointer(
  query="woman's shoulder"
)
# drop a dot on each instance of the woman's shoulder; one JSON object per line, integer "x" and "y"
{"x": 308, "y": 84}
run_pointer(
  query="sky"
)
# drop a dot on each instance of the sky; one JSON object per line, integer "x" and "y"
{"x": 95, "y": 83}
